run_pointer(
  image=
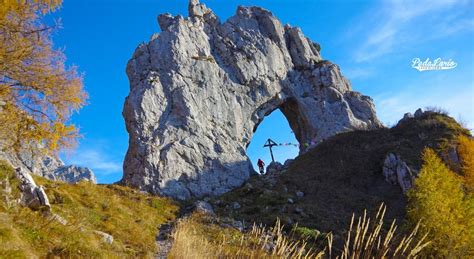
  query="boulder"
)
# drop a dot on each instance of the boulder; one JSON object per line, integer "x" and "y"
{"x": 200, "y": 88}
{"x": 32, "y": 196}
{"x": 397, "y": 172}
{"x": 418, "y": 113}
{"x": 274, "y": 167}
{"x": 406, "y": 117}
{"x": 204, "y": 207}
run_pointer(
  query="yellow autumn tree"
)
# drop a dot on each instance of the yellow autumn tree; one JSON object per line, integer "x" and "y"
{"x": 466, "y": 154}
{"x": 38, "y": 93}
{"x": 446, "y": 212}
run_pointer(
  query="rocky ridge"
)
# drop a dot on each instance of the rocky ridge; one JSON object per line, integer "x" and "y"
{"x": 48, "y": 166}
{"x": 200, "y": 88}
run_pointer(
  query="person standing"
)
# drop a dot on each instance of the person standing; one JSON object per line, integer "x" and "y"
{"x": 261, "y": 166}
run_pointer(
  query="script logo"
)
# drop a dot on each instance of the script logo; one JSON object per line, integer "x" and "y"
{"x": 437, "y": 64}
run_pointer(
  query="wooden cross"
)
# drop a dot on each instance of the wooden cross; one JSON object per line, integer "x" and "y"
{"x": 270, "y": 143}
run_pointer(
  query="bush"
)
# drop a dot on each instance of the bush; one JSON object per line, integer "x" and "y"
{"x": 439, "y": 202}
{"x": 306, "y": 233}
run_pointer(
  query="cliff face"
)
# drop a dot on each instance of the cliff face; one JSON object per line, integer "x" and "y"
{"x": 199, "y": 89}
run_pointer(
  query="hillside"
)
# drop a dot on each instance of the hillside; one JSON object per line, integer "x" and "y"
{"x": 341, "y": 176}
{"x": 90, "y": 213}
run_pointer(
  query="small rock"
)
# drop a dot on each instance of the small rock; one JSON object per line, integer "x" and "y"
{"x": 300, "y": 194}
{"x": 290, "y": 201}
{"x": 106, "y": 238}
{"x": 418, "y": 113}
{"x": 204, "y": 207}
{"x": 407, "y": 115}
{"x": 236, "y": 205}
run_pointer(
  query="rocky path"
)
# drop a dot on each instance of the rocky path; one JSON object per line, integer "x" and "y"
{"x": 164, "y": 240}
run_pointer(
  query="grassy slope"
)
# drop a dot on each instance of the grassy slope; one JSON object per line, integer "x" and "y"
{"x": 341, "y": 176}
{"x": 130, "y": 217}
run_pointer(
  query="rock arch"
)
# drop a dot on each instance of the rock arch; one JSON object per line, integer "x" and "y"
{"x": 199, "y": 89}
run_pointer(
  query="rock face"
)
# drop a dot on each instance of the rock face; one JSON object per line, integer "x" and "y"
{"x": 47, "y": 166}
{"x": 396, "y": 171}
{"x": 200, "y": 88}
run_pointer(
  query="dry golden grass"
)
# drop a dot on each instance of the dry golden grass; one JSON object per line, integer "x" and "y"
{"x": 199, "y": 237}
{"x": 369, "y": 240}
{"x": 129, "y": 216}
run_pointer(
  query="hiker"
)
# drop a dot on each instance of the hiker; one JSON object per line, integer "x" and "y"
{"x": 261, "y": 164}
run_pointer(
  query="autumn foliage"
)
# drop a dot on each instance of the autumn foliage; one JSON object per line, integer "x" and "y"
{"x": 445, "y": 210}
{"x": 38, "y": 93}
{"x": 466, "y": 154}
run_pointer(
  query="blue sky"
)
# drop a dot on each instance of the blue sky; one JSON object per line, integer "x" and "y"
{"x": 373, "y": 42}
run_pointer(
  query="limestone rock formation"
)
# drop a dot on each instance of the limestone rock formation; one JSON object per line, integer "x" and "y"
{"x": 200, "y": 88}
{"x": 32, "y": 196}
{"x": 48, "y": 166}
{"x": 74, "y": 174}
{"x": 396, "y": 171}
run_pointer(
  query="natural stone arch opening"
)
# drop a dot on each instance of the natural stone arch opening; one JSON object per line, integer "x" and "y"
{"x": 199, "y": 89}
{"x": 276, "y": 127}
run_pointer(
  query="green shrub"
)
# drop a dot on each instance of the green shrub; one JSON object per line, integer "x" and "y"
{"x": 306, "y": 233}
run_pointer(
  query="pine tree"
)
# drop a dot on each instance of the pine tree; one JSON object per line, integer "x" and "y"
{"x": 466, "y": 153}
{"x": 438, "y": 200}
{"x": 38, "y": 93}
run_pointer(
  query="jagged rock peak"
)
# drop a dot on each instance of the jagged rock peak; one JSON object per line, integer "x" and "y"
{"x": 200, "y": 88}
{"x": 33, "y": 161}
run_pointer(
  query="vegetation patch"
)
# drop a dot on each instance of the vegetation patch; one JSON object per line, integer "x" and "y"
{"x": 131, "y": 217}
{"x": 202, "y": 236}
